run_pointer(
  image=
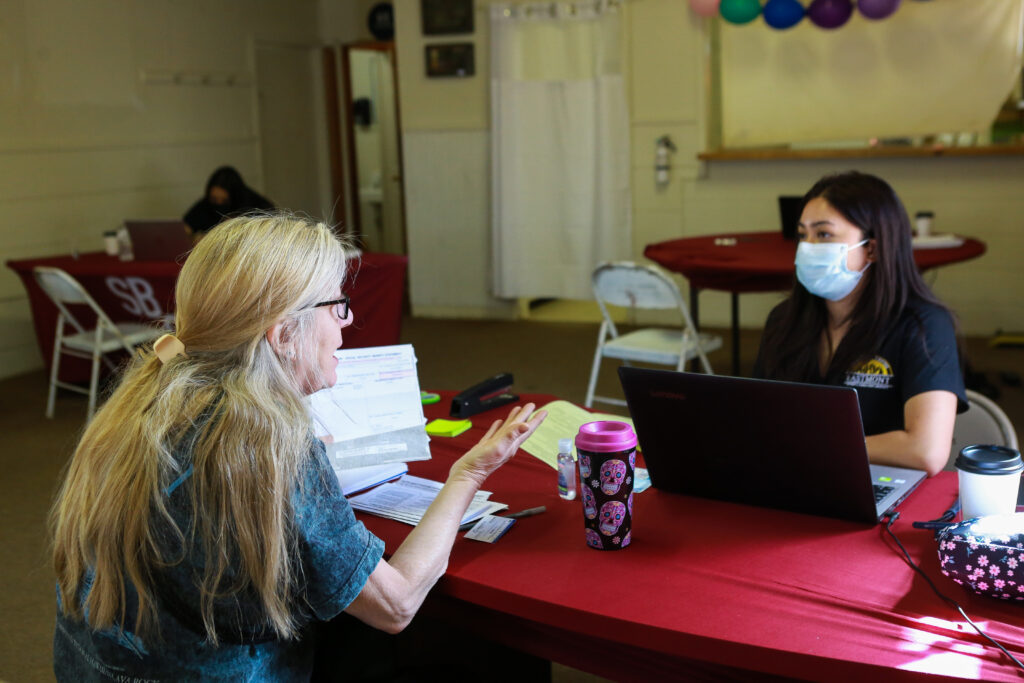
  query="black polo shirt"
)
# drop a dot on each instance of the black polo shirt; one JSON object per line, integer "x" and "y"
{"x": 919, "y": 354}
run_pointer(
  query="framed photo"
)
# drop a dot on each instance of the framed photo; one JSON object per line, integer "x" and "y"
{"x": 442, "y": 17}
{"x": 450, "y": 59}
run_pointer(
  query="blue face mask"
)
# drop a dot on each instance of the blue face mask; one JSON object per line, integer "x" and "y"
{"x": 821, "y": 268}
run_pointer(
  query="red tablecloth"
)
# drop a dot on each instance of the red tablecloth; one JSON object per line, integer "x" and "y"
{"x": 762, "y": 261}
{"x": 144, "y": 290}
{"x": 713, "y": 582}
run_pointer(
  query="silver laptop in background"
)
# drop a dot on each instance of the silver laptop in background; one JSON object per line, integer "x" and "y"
{"x": 797, "y": 447}
{"x": 158, "y": 240}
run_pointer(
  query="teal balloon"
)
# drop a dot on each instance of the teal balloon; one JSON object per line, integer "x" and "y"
{"x": 783, "y": 14}
{"x": 740, "y": 11}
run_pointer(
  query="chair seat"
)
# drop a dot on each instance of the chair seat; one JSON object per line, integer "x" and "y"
{"x": 656, "y": 345}
{"x": 134, "y": 334}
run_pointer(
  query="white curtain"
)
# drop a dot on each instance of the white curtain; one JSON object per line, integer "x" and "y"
{"x": 560, "y": 146}
{"x": 932, "y": 67}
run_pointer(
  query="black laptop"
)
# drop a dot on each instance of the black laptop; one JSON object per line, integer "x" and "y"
{"x": 797, "y": 447}
{"x": 790, "y": 208}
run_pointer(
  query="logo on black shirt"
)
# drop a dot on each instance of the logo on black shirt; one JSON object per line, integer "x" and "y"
{"x": 874, "y": 374}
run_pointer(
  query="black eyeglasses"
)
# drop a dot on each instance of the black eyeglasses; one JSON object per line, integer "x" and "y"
{"x": 341, "y": 306}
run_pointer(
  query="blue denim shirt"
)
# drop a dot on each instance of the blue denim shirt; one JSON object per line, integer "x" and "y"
{"x": 336, "y": 555}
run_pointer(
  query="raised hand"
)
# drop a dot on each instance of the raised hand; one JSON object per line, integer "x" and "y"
{"x": 499, "y": 444}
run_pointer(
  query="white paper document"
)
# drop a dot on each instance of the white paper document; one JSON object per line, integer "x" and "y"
{"x": 361, "y": 478}
{"x": 563, "y": 422}
{"x": 373, "y": 414}
{"x": 407, "y": 499}
{"x": 490, "y": 528}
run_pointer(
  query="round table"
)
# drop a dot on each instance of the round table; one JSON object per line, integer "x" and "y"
{"x": 759, "y": 262}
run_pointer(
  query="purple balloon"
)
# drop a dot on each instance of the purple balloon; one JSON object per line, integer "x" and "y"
{"x": 877, "y": 9}
{"x": 830, "y": 13}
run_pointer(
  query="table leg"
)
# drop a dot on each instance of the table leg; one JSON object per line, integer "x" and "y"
{"x": 695, "y": 316}
{"x": 735, "y": 334}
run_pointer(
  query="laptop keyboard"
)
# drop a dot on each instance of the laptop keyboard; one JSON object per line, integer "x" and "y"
{"x": 882, "y": 491}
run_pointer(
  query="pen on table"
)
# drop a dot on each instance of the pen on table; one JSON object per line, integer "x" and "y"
{"x": 528, "y": 512}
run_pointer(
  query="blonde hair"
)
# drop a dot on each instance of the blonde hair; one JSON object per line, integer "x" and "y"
{"x": 241, "y": 406}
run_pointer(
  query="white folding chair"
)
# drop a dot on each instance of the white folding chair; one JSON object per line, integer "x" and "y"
{"x": 630, "y": 285}
{"x": 93, "y": 343}
{"x": 984, "y": 422}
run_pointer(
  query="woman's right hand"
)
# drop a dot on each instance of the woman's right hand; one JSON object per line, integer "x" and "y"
{"x": 499, "y": 444}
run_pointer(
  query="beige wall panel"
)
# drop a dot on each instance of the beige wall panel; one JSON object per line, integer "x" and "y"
{"x": 648, "y": 196}
{"x": 61, "y": 173}
{"x": 440, "y": 103}
{"x": 19, "y": 351}
{"x": 665, "y": 46}
{"x": 654, "y": 225}
{"x": 86, "y": 140}
{"x": 447, "y": 199}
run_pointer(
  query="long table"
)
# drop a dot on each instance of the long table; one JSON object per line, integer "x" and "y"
{"x": 144, "y": 291}
{"x": 740, "y": 263}
{"x": 707, "y": 587}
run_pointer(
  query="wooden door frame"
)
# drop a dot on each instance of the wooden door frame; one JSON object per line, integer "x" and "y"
{"x": 350, "y": 131}
{"x": 329, "y": 59}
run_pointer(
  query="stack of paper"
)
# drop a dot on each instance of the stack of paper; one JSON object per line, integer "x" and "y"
{"x": 373, "y": 414}
{"x": 407, "y": 499}
{"x": 361, "y": 478}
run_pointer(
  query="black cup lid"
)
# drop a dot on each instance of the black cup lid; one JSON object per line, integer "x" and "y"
{"x": 982, "y": 459}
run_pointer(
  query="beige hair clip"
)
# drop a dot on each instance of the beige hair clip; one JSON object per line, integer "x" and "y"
{"x": 167, "y": 347}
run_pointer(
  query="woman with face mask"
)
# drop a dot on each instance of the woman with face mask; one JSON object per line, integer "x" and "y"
{"x": 861, "y": 316}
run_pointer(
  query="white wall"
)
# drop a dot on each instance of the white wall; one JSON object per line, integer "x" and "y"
{"x": 978, "y": 196}
{"x": 92, "y": 131}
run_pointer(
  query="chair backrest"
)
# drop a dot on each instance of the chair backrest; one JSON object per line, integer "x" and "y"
{"x": 624, "y": 283}
{"x": 64, "y": 289}
{"x": 983, "y": 423}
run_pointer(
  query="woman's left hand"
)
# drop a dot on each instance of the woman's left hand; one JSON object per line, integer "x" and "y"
{"x": 499, "y": 444}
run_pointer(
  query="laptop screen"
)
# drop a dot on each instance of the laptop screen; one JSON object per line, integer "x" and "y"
{"x": 158, "y": 240}
{"x": 797, "y": 447}
{"x": 790, "y": 208}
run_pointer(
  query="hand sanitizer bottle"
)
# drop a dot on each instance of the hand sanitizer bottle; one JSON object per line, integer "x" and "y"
{"x": 566, "y": 470}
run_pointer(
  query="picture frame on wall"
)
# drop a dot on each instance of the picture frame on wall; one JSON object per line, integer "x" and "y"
{"x": 443, "y": 17}
{"x": 453, "y": 60}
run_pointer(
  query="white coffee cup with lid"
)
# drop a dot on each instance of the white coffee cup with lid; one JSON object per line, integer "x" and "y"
{"x": 989, "y": 480}
{"x": 923, "y": 223}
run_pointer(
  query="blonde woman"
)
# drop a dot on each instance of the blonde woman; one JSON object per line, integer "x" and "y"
{"x": 200, "y": 530}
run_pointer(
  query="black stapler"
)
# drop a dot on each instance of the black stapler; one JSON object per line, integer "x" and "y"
{"x": 491, "y": 393}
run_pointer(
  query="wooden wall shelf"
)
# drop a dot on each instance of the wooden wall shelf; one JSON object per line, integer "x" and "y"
{"x": 779, "y": 154}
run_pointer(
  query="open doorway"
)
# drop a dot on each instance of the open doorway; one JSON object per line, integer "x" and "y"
{"x": 374, "y": 147}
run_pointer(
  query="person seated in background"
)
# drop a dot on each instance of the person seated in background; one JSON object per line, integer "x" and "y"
{"x": 860, "y": 315}
{"x": 200, "y": 532}
{"x": 226, "y": 196}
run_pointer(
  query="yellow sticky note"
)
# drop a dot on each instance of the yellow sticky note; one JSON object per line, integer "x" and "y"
{"x": 447, "y": 427}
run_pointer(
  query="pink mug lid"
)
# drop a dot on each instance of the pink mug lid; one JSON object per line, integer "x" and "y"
{"x": 605, "y": 436}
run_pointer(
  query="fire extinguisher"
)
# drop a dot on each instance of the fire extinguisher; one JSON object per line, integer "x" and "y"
{"x": 662, "y": 147}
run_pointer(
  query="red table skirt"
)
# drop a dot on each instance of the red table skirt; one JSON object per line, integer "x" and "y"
{"x": 708, "y": 581}
{"x": 762, "y": 261}
{"x": 144, "y": 291}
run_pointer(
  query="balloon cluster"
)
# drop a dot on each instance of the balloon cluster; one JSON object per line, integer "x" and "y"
{"x": 783, "y": 14}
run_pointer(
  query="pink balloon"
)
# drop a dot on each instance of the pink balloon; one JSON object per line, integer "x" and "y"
{"x": 705, "y": 8}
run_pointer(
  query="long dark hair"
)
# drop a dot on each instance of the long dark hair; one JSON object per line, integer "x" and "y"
{"x": 790, "y": 348}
